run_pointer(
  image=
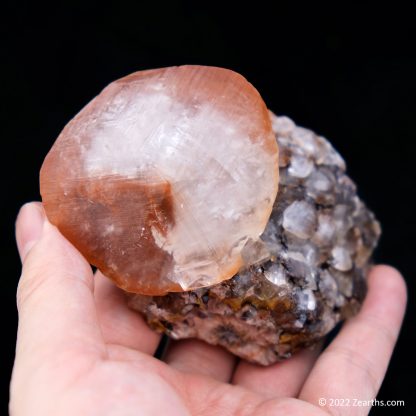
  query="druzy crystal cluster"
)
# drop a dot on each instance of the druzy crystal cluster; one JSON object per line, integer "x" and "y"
{"x": 223, "y": 221}
{"x": 308, "y": 275}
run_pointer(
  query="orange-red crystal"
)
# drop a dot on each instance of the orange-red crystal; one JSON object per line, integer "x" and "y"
{"x": 163, "y": 178}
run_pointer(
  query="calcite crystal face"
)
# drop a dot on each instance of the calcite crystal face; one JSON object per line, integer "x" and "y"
{"x": 166, "y": 178}
{"x": 308, "y": 274}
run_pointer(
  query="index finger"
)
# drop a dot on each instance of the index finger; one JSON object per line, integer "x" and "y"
{"x": 354, "y": 364}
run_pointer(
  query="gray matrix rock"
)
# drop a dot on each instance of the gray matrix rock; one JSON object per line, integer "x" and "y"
{"x": 306, "y": 275}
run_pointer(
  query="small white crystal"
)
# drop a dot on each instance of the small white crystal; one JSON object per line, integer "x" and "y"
{"x": 306, "y": 139}
{"x": 341, "y": 259}
{"x": 300, "y": 166}
{"x": 325, "y": 231}
{"x": 276, "y": 275}
{"x": 320, "y": 182}
{"x": 307, "y": 300}
{"x": 282, "y": 125}
{"x": 299, "y": 218}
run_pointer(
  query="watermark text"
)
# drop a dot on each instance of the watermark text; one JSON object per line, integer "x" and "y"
{"x": 354, "y": 402}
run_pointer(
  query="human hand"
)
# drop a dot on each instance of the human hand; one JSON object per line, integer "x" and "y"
{"x": 81, "y": 351}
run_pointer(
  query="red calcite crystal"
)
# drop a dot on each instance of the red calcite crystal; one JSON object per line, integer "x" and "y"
{"x": 165, "y": 178}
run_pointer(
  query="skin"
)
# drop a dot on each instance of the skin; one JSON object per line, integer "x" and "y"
{"x": 81, "y": 351}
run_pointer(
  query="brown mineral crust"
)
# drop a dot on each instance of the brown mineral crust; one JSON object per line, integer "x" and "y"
{"x": 198, "y": 136}
{"x": 320, "y": 237}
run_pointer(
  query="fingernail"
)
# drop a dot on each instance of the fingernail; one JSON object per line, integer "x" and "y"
{"x": 29, "y": 226}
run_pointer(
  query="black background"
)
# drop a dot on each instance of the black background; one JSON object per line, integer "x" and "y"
{"x": 345, "y": 71}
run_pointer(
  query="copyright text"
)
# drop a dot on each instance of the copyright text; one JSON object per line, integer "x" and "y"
{"x": 337, "y": 402}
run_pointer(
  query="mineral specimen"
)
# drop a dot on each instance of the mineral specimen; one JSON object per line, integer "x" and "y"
{"x": 167, "y": 182}
{"x": 310, "y": 272}
{"x": 165, "y": 178}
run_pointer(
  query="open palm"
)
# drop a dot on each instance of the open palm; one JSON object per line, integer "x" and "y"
{"x": 81, "y": 351}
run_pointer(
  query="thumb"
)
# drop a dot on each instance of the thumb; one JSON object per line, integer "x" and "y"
{"x": 55, "y": 293}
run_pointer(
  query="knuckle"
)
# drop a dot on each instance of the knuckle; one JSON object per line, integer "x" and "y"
{"x": 361, "y": 362}
{"x": 30, "y": 284}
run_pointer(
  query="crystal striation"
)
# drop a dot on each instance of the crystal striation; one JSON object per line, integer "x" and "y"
{"x": 165, "y": 177}
{"x": 306, "y": 275}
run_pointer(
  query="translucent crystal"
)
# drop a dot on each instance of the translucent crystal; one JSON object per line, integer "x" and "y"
{"x": 300, "y": 166}
{"x": 163, "y": 178}
{"x": 341, "y": 259}
{"x": 299, "y": 218}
